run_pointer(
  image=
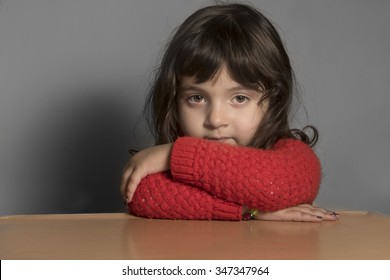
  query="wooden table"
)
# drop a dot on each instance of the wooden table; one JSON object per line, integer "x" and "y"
{"x": 357, "y": 235}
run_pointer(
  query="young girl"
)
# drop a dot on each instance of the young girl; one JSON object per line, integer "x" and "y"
{"x": 224, "y": 148}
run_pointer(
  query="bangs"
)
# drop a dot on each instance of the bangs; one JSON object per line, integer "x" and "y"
{"x": 202, "y": 55}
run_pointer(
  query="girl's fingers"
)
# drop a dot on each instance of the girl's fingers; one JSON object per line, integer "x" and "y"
{"x": 299, "y": 216}
{"x": 302, "y": 216}
{"x": 332, "y": 216}
{"x": 132, "y": 179}
{"x": 288, "y": 216}
{"x": 325, "y": 214}
{"x": 125, "y": 181}
{"x": 300, "y": 213}
{"x": 132, "y": 184}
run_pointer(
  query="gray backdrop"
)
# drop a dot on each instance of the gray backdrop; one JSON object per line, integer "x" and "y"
{"x": 73, "y": 77}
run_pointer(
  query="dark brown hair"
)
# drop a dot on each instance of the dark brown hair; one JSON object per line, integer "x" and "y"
{"x": 241, "y": 38}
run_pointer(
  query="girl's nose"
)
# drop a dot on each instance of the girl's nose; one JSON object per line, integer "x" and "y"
{"x": 216, "y": 117}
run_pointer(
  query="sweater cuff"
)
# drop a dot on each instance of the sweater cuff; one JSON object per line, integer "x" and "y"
{"x": 224, "y": 210}
{"x": 182, "y": 158}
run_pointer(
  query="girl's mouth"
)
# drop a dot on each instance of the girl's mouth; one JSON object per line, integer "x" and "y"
{"x": 219, "y": 139}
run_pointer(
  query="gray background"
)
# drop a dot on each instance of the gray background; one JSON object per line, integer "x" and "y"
{"x": 73, "y": 77}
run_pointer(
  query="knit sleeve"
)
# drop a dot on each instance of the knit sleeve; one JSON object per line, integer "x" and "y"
{"x": 158, "y": 196}
{"x": 284, "y": 176}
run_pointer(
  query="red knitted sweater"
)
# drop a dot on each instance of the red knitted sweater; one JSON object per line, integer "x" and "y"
{"x": 211, "y": 180}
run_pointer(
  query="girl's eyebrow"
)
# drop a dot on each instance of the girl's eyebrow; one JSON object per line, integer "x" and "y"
{"x": 199, "y": 88}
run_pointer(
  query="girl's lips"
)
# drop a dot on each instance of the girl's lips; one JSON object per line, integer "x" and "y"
{"x": 219, "y": 139}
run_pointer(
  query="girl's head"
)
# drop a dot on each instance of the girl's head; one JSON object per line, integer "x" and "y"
{"x": 231, "y": 42}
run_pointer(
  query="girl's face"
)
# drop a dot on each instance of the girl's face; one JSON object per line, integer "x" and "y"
{"x": 220, "y": 109}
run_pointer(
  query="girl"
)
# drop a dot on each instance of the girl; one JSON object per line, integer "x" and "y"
{"x": 224, "y": 149}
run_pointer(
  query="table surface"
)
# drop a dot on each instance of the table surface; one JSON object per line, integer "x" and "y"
{"x": 357, "y": 235}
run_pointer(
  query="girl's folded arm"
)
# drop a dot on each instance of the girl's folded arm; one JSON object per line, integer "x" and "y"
{"x": 286, "y": 175}
{"x": 158, "y": 196}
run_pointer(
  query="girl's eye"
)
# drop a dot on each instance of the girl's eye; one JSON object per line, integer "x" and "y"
{"x": 240, "y": 98}
{"x": 196, "y": 98}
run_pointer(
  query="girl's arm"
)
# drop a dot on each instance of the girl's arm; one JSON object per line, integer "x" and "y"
{"x": 284, "y": 176}
{"x": 289, "y": 174}
{"x": 158, "y": 196}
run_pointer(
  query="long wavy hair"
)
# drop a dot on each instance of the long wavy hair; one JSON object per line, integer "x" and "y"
{"x": 243, "y": 40}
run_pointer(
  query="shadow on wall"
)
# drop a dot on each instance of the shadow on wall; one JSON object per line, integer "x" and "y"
{"x": 79, "y": 150}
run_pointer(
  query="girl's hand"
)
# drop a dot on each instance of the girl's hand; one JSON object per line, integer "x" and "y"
{"x": 300, "y": 213}
{"x": 148, "y": 161}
